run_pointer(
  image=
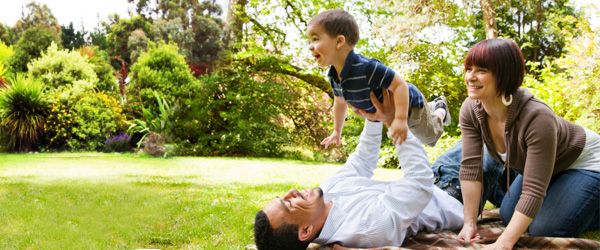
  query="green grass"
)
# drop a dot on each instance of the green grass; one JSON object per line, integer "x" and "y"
{"x": 107, "y": 201}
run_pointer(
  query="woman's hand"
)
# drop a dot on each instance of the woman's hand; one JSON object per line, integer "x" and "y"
{"x": 469, "y": 233}
{"x": 384, "y": 110}
{"x": 498, "y": 245}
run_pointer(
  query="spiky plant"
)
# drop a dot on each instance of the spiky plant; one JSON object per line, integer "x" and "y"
{"x": 23, "y": 109}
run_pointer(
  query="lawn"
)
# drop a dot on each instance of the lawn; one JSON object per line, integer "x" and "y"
{"x": 109, "y": 201}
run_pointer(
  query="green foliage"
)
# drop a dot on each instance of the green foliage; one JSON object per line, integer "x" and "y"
{"x": 570, "y": 85}
{"x": 84, "y": 123}
{"x": 231, "y": 113}
{"x": 6, "y": 36}
{"x": 161, "y": 69}
{"x": 64, "y": 70}
{"x": 31, "y": 45}
{"x": 6, "y": 51}
{"x": 540, "y": 27}
{"x": 23, "y": 108}
{"x": 107, "y": 81}
{"x": 118, "y": 33}
{"x": 440, "y": 73}
{"x": 72, "y": 39}
{"x": 36, "y": 15}
{"x": 161, "y": 124}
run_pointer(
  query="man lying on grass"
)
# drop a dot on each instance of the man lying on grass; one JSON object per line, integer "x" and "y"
{"x": 352, "y": 210}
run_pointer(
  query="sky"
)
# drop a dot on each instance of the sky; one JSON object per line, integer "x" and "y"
{"x": 86, "y": 12}
{"x": 79, "y": 12}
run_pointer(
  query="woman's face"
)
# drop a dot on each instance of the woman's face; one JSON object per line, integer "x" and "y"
{"x": 481, "y": 83}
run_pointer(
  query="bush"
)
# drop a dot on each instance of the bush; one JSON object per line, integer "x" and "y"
{"x": 84, "y": 123}
{"x": 232, "y": 114}
{"x": 570, "y": 85}
{"x": 107, "y": 81}
{"x": 161, "y": 69}
{"x": 63, "y": 70}
{"x": 23, "y": 108}
{"x": 31, "y": 45}
{"x": 6, "y": 52}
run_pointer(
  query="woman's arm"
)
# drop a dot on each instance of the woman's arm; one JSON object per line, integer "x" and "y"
{"x": 471, "y": 170}
{"x": 516, "y": 227}
{"x": 471, "y": 191}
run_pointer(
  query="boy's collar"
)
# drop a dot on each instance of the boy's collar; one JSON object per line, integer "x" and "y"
{"x": 350, "y": 58}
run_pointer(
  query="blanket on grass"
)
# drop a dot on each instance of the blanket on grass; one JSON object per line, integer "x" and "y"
{"x": 489, "y": 228}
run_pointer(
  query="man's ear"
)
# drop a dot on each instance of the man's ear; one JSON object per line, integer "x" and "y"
{"x": 305, "y": 232}
{"x": 340, "y": 40}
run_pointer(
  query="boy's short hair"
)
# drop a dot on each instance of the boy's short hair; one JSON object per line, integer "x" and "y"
{"x": 503, "y": 58}
{"x": 338, "y": 22}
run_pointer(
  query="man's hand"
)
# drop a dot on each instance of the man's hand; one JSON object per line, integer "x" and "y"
{"x": 333, "y": 138}
{"x": 384, "y": 110}
{"x": 399, "y": 129}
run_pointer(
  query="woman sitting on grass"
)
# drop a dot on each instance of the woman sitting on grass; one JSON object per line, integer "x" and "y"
{"x": 557, "y": 190}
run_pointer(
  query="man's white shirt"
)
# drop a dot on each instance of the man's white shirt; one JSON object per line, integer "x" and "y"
{"x": 372, "y": 213}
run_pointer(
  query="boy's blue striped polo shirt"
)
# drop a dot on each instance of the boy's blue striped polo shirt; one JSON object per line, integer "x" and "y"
{"x": 360, "y": 76}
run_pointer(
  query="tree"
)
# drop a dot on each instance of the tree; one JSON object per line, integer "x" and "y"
{"x": 30, "y": 47}
{"x": 489, "y": 18}
{"x": 539, "y": 27}
{"x": 72, "y": 39}
{"x": 119, "y": 29}
{"x": 36, "y": 15}
{"x": 6, "y": 35}
{"x": 194, "y": 25}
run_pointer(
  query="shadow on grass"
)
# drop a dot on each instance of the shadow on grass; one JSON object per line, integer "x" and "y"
{"x": 152, "y": 214}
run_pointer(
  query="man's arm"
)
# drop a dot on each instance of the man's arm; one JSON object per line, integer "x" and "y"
{"x": 364, "y": 159}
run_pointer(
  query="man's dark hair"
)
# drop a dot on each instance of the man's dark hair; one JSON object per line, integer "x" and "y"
{"x": 503, "y": 58}
{"x": 338, "y": 22}
{"x": 283, "y": 238}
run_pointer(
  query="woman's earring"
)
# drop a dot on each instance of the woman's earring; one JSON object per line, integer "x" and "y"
{"x": 506, "y": 103}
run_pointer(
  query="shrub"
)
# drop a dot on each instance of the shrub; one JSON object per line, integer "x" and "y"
{"x": 161, "y": 69}
{"x": 23, "y": 108}
{"x": 107, "y": 81}
{"x": 84, "y": 123}
{"x": 64, "y": 70}
{"x": 117, "y": 143}
{"x": 232, "y": 114}
{"x": 570, "y": 85}
{"x": 30, "y": 46}
{"x": 6, "y": 52}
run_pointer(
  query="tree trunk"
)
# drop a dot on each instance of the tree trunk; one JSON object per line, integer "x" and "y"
{"x": 489, "y": 18}
{"x": 234, "y": 24}
{"x": 539, "y": 14}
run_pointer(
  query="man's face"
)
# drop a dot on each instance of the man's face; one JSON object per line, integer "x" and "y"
{"x": 296, "y": 207}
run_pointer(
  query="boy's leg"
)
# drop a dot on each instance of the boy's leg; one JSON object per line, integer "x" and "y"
{"x": 425, "y": 125}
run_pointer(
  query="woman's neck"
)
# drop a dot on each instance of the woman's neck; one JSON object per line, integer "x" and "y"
{"x": 495, "y": 109}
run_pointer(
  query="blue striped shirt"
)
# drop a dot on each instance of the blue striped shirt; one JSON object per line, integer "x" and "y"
{"x": 360, "y": 76}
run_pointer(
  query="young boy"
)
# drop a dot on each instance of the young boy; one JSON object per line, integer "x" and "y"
{"x": 333, "y": 35}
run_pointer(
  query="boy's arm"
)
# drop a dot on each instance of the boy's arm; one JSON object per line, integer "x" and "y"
{"x": 400, "y": 89}
{"x": 399, "y": 125}
{"x": 340, "y": 108}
